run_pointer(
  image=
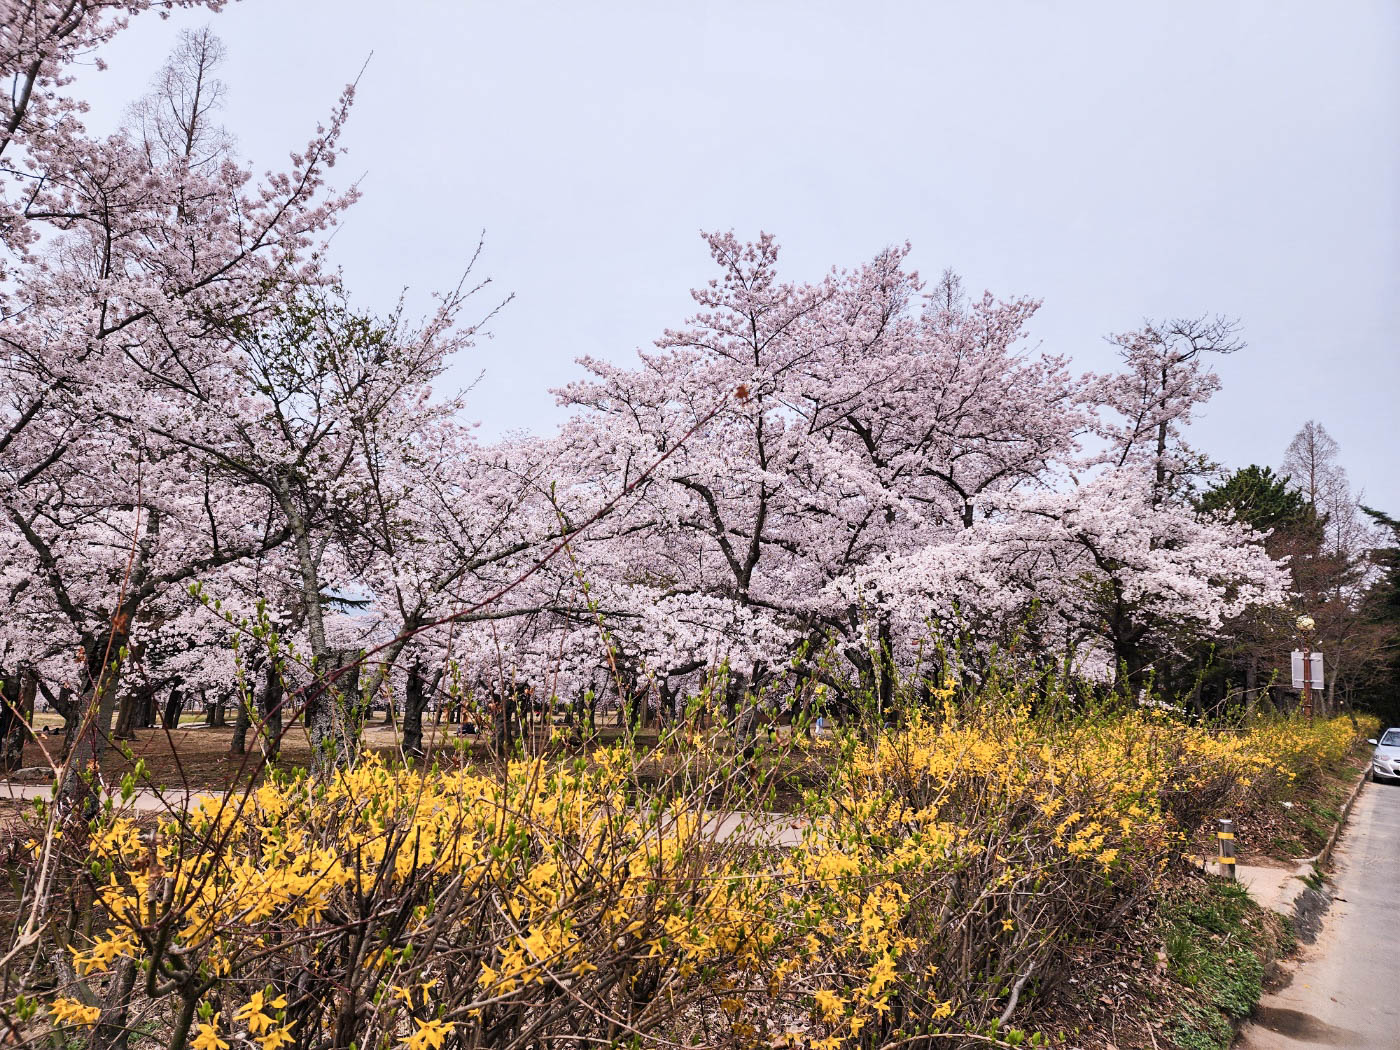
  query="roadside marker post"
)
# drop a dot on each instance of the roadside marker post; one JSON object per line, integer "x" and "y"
{"x": 1226, "y": 837}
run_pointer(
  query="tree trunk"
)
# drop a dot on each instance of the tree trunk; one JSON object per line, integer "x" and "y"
{"x": 112, "y": 1031}
{"x": 733, "y": 691}
{"x": 107, "y": 708}
{"x": 665, "y": 702}
{"x": 885, "y": 670}
{"x": 634, "y": 705}
{"x": 9, "y": 717}
{"x": 16, "y": 716}
{"x": 147, "y": 719}
{"x": 1130, "y": 672}
{"x": 414, "y": 704}
{"x": 270, "y": 710}
{"x": 333, "y": 714}
{"x": 28, "y": 688}
{"x": 65, "y": 705}
{"x": 584, "y": 712}
{"x": 238, "y": 745}
{"x": 503, "y": 723}
{"x": 1196, "y": 704}
{"x": 93, "y": 712}
{"x": 174, "y": 704}
{"x": 746, "y": 729}
{"x": 333, "y": 710}
{"x": 127, "y": 716}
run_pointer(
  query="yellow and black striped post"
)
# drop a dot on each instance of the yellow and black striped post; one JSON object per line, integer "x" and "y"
{"x": 1226, "y": 837}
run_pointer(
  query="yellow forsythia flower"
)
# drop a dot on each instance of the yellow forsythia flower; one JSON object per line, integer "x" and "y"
{"x": 71, "y": 1012}
{"x": 252, "y": 1013}
{"x": 275, "y": 1039}
{"x": 207, "y": 1037}
{"x": 830, "y": 1004}
{"x": 429, "y": 1034}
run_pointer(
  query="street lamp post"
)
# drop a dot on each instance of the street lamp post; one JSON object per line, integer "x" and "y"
{"x": 1306, "y": 625}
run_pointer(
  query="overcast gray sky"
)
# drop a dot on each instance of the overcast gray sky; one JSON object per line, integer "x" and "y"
{"x": 1118, "y": 160}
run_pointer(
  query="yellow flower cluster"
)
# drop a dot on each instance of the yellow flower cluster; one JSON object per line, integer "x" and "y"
{"x": 940, "y": 866}
{"x": 569, "y": 865}
{"x": 66, "y": 1011}
{"x": 1009, "y": 833}
{"x": 1300, "y": 748}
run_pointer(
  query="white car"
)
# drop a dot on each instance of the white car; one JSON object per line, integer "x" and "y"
{"x": 1385, "y": 759}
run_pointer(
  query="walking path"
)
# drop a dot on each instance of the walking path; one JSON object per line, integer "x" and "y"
{"x": 1346, "y": 990}
{"x": 143, "y": 801}
{"x": 768, "y": 829}
{"x": 1275, "y": 886}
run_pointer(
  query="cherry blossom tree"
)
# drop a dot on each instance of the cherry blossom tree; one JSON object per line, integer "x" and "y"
{"x": 1107, "y": 565}
{"x": 875, "y": 418}
{"x": 1146, "y": 406}
{"x": 203, "y": 443}
{"x": 131, "y": 255}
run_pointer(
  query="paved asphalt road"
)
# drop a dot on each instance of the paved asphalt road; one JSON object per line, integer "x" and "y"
{"x": 1346, "y": 991}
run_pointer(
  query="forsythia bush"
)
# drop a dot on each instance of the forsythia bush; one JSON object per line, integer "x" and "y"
{"x": 957, "y": 863}
{"x": 943, "y": 878}
{"x": 391, "y": 907}
{"x": 1300, "y": 750}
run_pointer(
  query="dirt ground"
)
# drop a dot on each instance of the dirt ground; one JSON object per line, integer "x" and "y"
{"x": 198, "y": 756}
{"x": 1297, "y": 824}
